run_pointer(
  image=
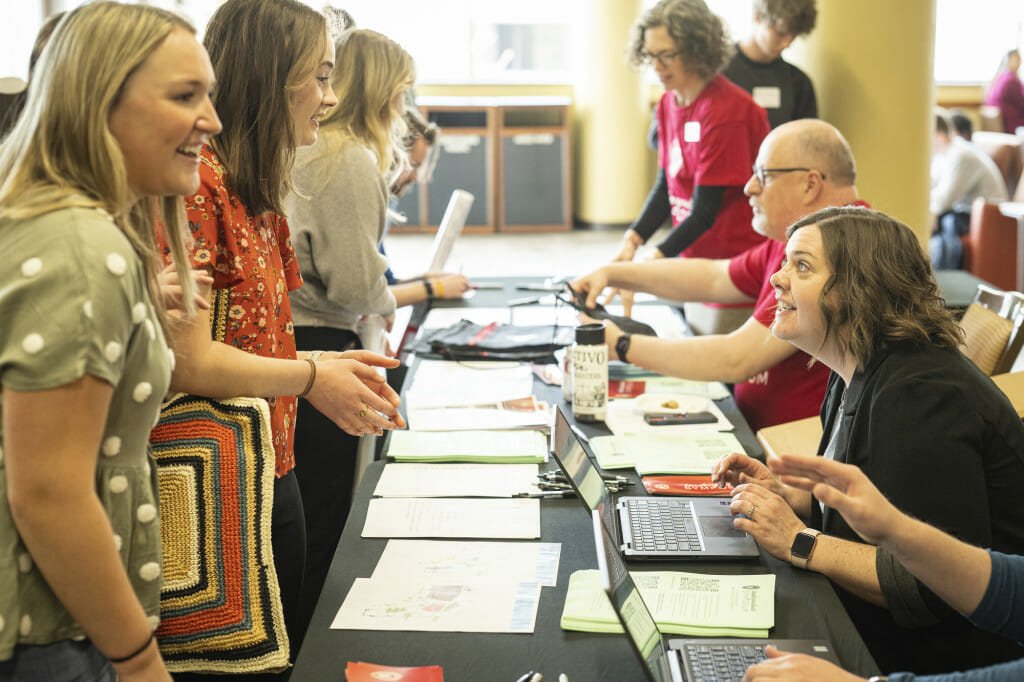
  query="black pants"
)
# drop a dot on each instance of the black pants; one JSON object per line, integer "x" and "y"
{"x": 325, "y": 462}
{"x": 288, "y": 536}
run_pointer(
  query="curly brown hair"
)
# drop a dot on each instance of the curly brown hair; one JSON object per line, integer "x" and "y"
{"x": 699, "y": 35}
{"x": 884, "y": 287}
{"x": 792, "y": 17}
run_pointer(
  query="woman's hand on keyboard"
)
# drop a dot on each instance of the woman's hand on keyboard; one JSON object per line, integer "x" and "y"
{"x": 781, "y": 665}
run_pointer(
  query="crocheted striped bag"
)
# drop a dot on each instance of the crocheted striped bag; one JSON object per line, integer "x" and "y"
{"x": 220, "y": 606}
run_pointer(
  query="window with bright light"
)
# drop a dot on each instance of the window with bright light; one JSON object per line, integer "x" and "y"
{"x": 972, "y": 37}
{"x": 533, "y": 41}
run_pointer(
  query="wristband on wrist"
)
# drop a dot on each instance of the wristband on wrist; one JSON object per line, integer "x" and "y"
{"x": 440, "y": 288}
{"x": 312, "y": 378}
{"x": 802, "y": 547}
{"x": 428, "y": 287}
{"x": 135, "y": 653}
{"x": 622, "y": 346}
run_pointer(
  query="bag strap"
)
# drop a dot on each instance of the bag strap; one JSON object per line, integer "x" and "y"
{"x": 219, "y": 314}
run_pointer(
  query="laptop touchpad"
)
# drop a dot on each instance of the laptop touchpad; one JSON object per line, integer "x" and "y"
{"x": 719, "y": 527}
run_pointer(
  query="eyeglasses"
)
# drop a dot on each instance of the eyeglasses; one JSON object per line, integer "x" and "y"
{"x": 761, "y": 173}
{"x": 663, "y": 58}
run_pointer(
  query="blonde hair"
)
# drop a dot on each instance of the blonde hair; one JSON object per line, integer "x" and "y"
{"x": 370, "y": 78}
{"x": 262, "y": 51}
{"x": 61, "y": 152}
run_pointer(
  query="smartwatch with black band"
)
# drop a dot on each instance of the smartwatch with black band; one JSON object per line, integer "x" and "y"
{"x": 803, "y": 545}
{"x": 622, "y": 346}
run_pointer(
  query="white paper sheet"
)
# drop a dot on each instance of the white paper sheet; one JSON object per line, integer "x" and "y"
{"x": 415, "y": 479}
{"x": 440, "y": 382}
{"x": 469, "y": 446}
{"x": 481, "y": 606}
{"x": 659, "y": 453}
{"x": 404, "y": 517}
{"x": 453, "y": 561}
{"x": 624, "y": 418}
{"x": 519, "y": 413}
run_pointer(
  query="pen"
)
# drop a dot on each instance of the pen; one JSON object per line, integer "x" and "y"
{"x": 553, "y": 494}
{"x": 525, "y": 677}
{"x": 537, "y": 677}
{"x": 536, "y": 287}
{"x": 529, "y": 300}
{"x": 553, "y": 486}
{"x": 488, "y": 285}
{"x": 579, "y": 432}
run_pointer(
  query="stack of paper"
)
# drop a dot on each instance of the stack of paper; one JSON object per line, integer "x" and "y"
{"x": 452, "y": 587}
{"x": 456, "y": 480}
{"x": 662, "y": 453}
{"x": 690, "y": 604}
{"x": 455, "y": 396}
{"x": 506, "y": 447}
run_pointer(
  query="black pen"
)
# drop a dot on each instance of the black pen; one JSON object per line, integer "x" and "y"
{"x": 525, "y": 678}
{"x": 553, "y": 494}
{"x": 529, "y": 300}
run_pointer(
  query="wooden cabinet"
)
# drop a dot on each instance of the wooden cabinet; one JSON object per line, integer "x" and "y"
{"x": 511, "y": 153}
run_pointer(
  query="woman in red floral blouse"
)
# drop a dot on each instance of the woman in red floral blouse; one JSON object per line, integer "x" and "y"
{"x": 242, "y": 242}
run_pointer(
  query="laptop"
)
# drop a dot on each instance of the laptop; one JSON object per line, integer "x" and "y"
{"x": 681, "y": 527}
{"x": 452, "y": 222}
{"x": 681, "y": 660}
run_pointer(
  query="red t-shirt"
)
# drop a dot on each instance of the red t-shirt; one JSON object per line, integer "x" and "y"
{"x": 712, "y": 141}
{"x": 252, "y": 258}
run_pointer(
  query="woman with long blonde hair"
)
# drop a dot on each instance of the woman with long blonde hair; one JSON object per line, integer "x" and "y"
{"x": 108, "y": 127}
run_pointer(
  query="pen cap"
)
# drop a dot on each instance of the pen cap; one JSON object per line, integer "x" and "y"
{"x": 590, "y": 334}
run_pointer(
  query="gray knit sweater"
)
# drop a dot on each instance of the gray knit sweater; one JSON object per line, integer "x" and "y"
{"x": 336, "y": 215}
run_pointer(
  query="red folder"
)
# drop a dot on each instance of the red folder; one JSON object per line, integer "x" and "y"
{"x": 371, "y": 672}
{"x": 685, "y": 485}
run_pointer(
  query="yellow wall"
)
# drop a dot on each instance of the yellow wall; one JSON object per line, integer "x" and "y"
{"x": 872, "y": 63}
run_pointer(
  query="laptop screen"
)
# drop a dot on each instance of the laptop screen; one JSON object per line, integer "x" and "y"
{"x": 641, "y": 630}
{"x": 570, "y": 453}
{"x": 452, "y": 222}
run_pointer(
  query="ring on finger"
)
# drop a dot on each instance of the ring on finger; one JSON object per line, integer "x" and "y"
{"x": 750, "y": 514}
{"x": 362, "y": 413}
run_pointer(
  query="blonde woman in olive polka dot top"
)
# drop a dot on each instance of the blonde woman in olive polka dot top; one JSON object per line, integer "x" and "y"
{"x": 108, "y": 125}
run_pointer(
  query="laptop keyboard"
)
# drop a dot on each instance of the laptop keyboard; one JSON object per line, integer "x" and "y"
{"x": 720, "y": 662}
{"x": 660, "y": 526}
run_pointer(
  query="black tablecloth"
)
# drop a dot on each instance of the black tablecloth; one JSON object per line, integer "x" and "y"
{"x": 806, "y": 606}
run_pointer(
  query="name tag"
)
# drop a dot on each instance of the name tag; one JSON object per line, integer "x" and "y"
{"x": 691, "y": 131}
{"x": 768, "y": 97}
